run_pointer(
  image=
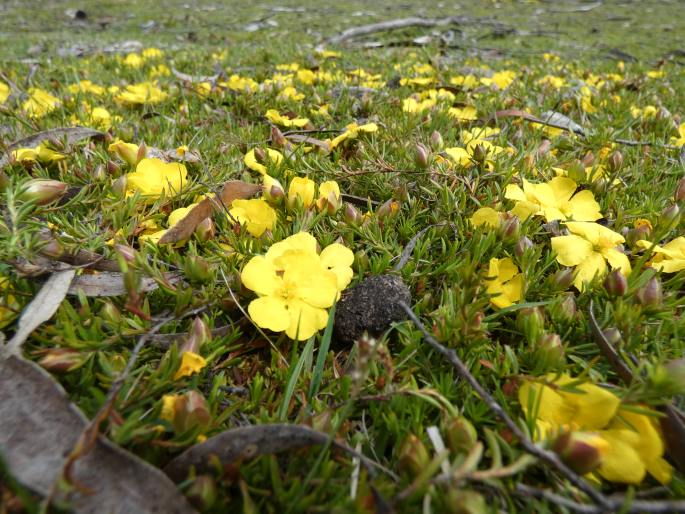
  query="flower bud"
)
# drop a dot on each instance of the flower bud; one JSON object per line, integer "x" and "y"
{"x": 126, "y": 252}
{"x": 613, "y": 336}
{"x": 509, "y": 228}
{"x": 205, "y": 230}
{"x": 436, "y": 142}
{"x": 126, "y": 151}
{"x": 273, "y": 190}
{"x": 277, "y": 138}
{"x": 260, "y": 156}
{"x": 119, "y": 186}
{"x": 638, "y": 233}
{"x": 460, "y": 434}
{"x": 466, "y": 501}
{"x": 199, "y": 334}
{"x": 196, "y": 268}
{"x": 329, "y": 197}
{"x": 599, "y": 186}
{"x": 531, "y": 322}
{"x": 389, "y": 209}
{"x": 202, "y": 493}
{"x": 42, "y": 191}
{"x": 302, "y": 189}
{"x": 421, "y": 156}
{"x": 61, "y": 360}
{"x": 651, "y": 294}
{"x": 186, "y": 411}
{"x": 352, "y": 215}
{"x": 549, "y": 352}
{"x": 110, "y": 314}
{"x": 522, "y": 246}
{"x": 479, "y": 154}
{"x": 562, "y": 279}
{"x": 670, "y": 215}
{"x": 581, "y": 451}
{"x": 616, "y": 283}
{"x": 615, "y": 161}
{"x": 576, "y": 172}
{"x": 142, "y": 152}
{"x": 413, "y": 456}
{"x": 680, "y": 190}
{"x": 564, "y": 309}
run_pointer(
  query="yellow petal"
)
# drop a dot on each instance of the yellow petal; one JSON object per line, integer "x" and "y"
{"x": 259, "y": 275}
{"x": 338, "y": 259}
{"x": 621, "y": 462}
{"x": 593, "y": 266}
{"x": 270, "y": 312}
{"x": 617, "y": 260}
{"x": 571, "y": 250}
{"x": 485, "y": 216}
{"x": 305, "y": 320}
{"x": 583, "y": 207}
{"x": 191, "y": 363}
{"x": 300, "y": 241}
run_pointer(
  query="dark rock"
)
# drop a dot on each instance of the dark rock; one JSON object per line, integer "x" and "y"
{"x": 370, "y": 306}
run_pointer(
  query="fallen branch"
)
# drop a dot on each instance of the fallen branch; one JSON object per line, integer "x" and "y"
{"x": 401, "y": 23}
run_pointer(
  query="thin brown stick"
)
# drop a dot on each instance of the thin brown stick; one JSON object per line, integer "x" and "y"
{"x": 384, "y": 26}
{"x": 547, "y": 456}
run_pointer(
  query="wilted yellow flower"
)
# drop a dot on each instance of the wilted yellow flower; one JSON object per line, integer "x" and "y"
{"x": 251, "y": 161}
{"x": 154, "y": 177}
{"x": 275, "y": 117}
{"x": 589, "y": 247}
{"x": 257, "y": 215}
{"x": 191, "y": 363}
{"x": 40, "y": 103}
{"x": 40, "y": 153}
{"x": 504, "y": 282}
{"x": 669, "y": 258}
{"x": 467, "y": 113}
{"x": 127, "y": 151}
{"x": 86, "y": 86}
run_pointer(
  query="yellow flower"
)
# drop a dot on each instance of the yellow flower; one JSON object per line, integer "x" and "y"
{"x": 153, "y": 235}
{"x": 133, "y": 60}
{"x": 40, "y": 153}
{"x": 502, "y": 79}
{"x": 486, "y": 216}
{"x": 669, "y": 258}
{"x": 649, "y": 111}
{"x": 413, "y": 106}
{"x": 478, "y": 134}
{"x": 675, "y": 141}
{"x": 588, "y": 248}
{"x": 256, "y": 214}
{"x": 302, "y": 188}
{"x": 328, "y": 54}
{"x": 464, "y": 81}
{"x": 351, "y": 132}
{"x": 296, "y": 285}
{"x": 459, "y": 155}
{"x": 555, "y": 200}
{"x": 504, "y": 282}
{"x": 329, "y": 196}
{"x": 191, "y": 363}
{"x": 86, "y": 86}
{"x": 127, "y": 151}
{"x": 97, "y": 117}
{"x": 4, "y": 92}
{"x": 9, "y": 307}
{"x": 552, "y": 81}
{"x": 154, "y": 177}
{"x": 143, "y": 93}
{"x": 290, "y": 93}
{"x": 40, "y": 103}
{"x": 275, "y": 117}
{"x": 251, "y": 162}
{"x": 467, "y": 113}
{"x": 152, "y": 53}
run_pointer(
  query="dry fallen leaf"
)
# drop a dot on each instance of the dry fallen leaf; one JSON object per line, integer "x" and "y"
{"x": 232, "y": 190}
{"x": 112, "y": 284}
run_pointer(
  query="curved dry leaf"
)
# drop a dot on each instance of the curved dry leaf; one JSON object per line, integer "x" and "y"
{"x": 112, "y": 284}
{"x": 194, "y": 78}
{"x": 232, "y": 190}
{"x": 191, "y": 156}
{"x": 39, "y": 426}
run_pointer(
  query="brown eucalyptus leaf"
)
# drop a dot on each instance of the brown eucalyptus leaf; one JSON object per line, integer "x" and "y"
{"x": 39, "y": 427}
{"x": 191, "y": 156}
{"x": 232, "y": 190}
{"x": 300, "y": 138}
{"x": 112, "y": 284}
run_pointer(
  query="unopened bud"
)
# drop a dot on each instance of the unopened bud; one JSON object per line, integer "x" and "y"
{"x": 126, "y": 252}
{"x": 389, "y": 209}
{"x": 352, "y": 215}
{"x": 42, "y": 191}
{"x": 581, "y": 451}
{"x": 616, "y": 283}
{"x": 651, "y": 294}
{"x": 205, "y": 230}
{"x": 680, "y": 190}
{"x": 436, "y": 142}
{"x": 119, "y": 186}
{"x": 142, "y": 152}
{"x": 361, "y": 262}
{"x": 421, "y": 156}
{"x": 460, "y": 434}
{"x": 413, "y": 456}
{"x": 199, "y": 334}
{"x": 562, "y": 279}
{"x": 670, "y": 215}
{"x": 61, "y": 360}
{"x": 187, "y": 411}
{"x": 277, "y": 138}
{"x": 509, "y": 228}
{"x": 260, "y": 156}
{"x": 576, "y": 172}
{"x": 531, "y": 322}
{"x": 613, "y": 336}
{"x": 110, "y": 313}
{"x": 549, "y": 352}
{"x": 273, "y": 190}
{"x": 479, "y": 154}
{"x": 564, "y": 309}
{"x": 522, "y": 246}
{"x": 466, "y": 501}
{"x": 202, "y": 493}
{"x": 99, "y": 173}
{"x": 637, "y": 234}
{"x": 113, "y": 168}
{"x": 615, "y": 161}
{"x": 599, "y": 186}
{"x": 196, "y": 268}
{"x": 127, "y": 151}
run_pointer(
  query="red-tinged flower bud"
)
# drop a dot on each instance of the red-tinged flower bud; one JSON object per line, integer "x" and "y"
{"x": 564, "y": 309}
{"x": 277, "y": 138}
{"x": 113, "y": 168}
{"x": 191, "y": 412}
{"x": 460, "y": 435}
{"x": 198, "y": 335}
{"x": 615, "y": 161}
{"x": 99, "y": 173}
{"x": 588, "y": 159}
{"x": 523, "y": 245}
{"x": 651, "y": 294}
{"x": 421, "y": 156}
{"x": 110, "y": 314}
{"x": 126, "y": 252}
{"x": 202, "y": 493}
{"x": 352, "y": 215}
{"x": 549, "y": 352}
{"x": 531, "y": 322}
{"x": 680, "y": 190}
{"x": 479, "y": 154}
{"x": 361, "y": 262}
{"x": 509, "y": 228}
{"x": 613, "y": 335}
{"x": 42, "y": 191}
{"x": 119, "y": 186}
{"x": 637, "y": 234}
{"x": 413, "y": 456}
{"x": 51, "y": 247}
{"x": 197, "y": 269}
{"x": 670, "y": 216}
{"x": 562, "y": 279}
{"x": 142, "y": 152}
{"x": 616, "y": 283}
{"x": 436, "y": 142}
{"x": 260, "y": 156}
{"x": 205, "y": 230}
{"x": 599, "y": 186}
{"x": 581, "y": 451}
{"x": 389, "y": 209}
{"x": 61, "y": 360}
